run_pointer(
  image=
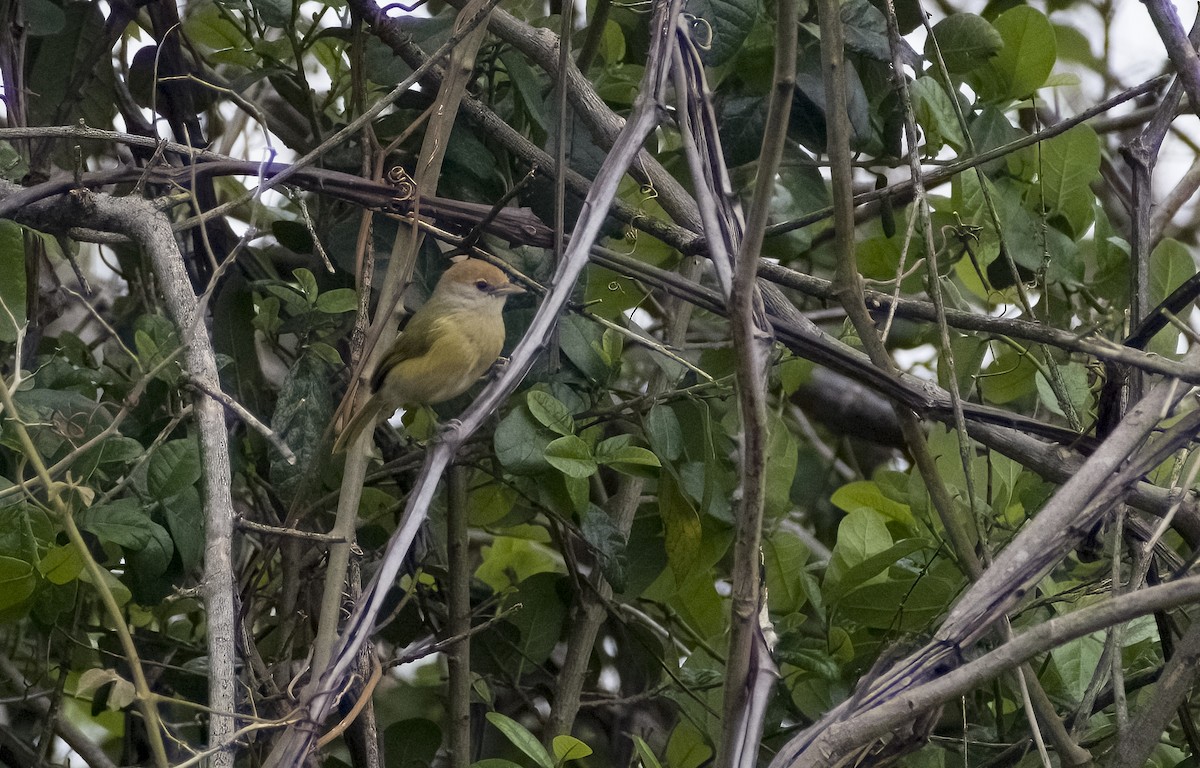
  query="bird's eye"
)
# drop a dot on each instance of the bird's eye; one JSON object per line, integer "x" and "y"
{"x": 481, "y": 285}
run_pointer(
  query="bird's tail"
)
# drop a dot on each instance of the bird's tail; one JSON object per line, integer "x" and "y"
{"x": 363, "y": 420}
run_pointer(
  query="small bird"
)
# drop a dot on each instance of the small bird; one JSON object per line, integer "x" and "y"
{"x": 447, "y": 345}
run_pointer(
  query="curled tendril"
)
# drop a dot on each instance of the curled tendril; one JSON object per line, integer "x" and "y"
{"x": 964, "y": 232}
{"x": 630, "y": 234}
{"x": 638, "y": 6}
{"x": 695, "y": 23}
{"x": 406, "y": 7}
{"x": 404, "y": 184}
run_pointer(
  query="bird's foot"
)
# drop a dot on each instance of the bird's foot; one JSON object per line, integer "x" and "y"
{"x": 498, "y": 367}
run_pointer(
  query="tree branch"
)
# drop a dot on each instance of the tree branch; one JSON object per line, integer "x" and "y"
{"x": 296, "y": 741}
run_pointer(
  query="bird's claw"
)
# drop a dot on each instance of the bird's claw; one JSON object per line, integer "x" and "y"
{"x": 498, "y": 367}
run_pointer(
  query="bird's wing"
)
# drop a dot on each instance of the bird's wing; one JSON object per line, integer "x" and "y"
{"x": 415, "y": 341}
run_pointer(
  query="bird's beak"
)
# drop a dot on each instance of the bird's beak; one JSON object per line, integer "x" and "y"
{"x": 508, "y": 289}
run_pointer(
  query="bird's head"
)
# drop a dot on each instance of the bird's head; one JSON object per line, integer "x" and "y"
{"x": 475, "y": 284}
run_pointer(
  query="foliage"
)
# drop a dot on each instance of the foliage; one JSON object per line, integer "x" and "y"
{"x": 606, "y": 491}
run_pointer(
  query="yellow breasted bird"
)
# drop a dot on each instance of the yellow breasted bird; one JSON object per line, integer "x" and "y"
{"x": 447, "y": 345}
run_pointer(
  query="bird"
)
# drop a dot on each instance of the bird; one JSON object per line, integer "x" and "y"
{"x": 448, "y": 343}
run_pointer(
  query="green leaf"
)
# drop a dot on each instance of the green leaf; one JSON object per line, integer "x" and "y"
{"x": 325, "y": 353}
{"x": 12, "y": 287}
{"x": 798, "y": 191}
{"x": 302, "y": 412}
{"x": 807, "y": 120}
{"x": 17, "y": 582}
{"x": 21, "y": 527}
{"x": 577, "y": 492}
{"x": 1075, "y": 45}
{"x": 580, "y": 340}
{"x": 61, "y": 564}
{"x": 991, "y": 128}
{"x": 687, "y": 747}
{"x": 173, "y": 467}
{"x": 645, "y": 753}
{"x": 13, "y": 166}
{"x": 1062, "y": 80}
{"x": 152, "y": 560}
{"x": 337, "y": 301}
{"x": 946, "y": 448}
{"x": 274, "y": 13}
{"x": 606, "y": 540}
{"x": 550, "y": 412}
{"x": 43, "y": 18}
{"x": 208, "y": 27}
{"x": 1025, "y": 61}
{"x": 664, "y": 433}
{"x": 118, "y": 449}
{"x": 53, "y": 414}
{"x": 119, "y": 591}
{"x": 289, "y": 295}
{"x": 571, "y": 456}
{"x": 567, "y": 748}
{"x": 1076, "y": 663}
{"x": 1170, "y": 264}
{"x": 1069, "y": 164}
{"x": 904, "y": 604}
{"x": 730, "y": 22}
{"x": 966, "y": 41}
{"x": 293, "y": 235}
{"x": 123, "y": 522}
{"x": 266, "y": 315}
{"x": 1024, "y": 234}
{"x": 520, "y": 443}
{"x": 522, "y": 739}
{"x": 935, "y": 114}
{"x": 781, "y": 462}
{"x": 813, "y": 658}
{"x": 861, "y": 535}
{"x": 612, "y": 43}
{"x": 879, "y": 258}
{"x": 785, "y": 556}
{"x": 489, "y": 504}
{"x": 741, "y": 121}
{"x": 184, "y": 514}
{"x": 511, "y": 560}
{"x": 307, "y": 283}
{"x": 412, "y": 742}
{"x": 865, "y": 29}
{"x": 92, "y": 680}
{"x": 865, "y": 494}
{"x": 967, "y": 353}
{"x": 56, "y": 62}
{"x": 1009, "y": 377}
{"x": 630, "y": 459}
{"x": 681, "y": 528}
{"x": 1078, "y": 391}
{"x": 528, "y": 86}
{"x": 154, "y": 339}
{"x": 863, "y": 572}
